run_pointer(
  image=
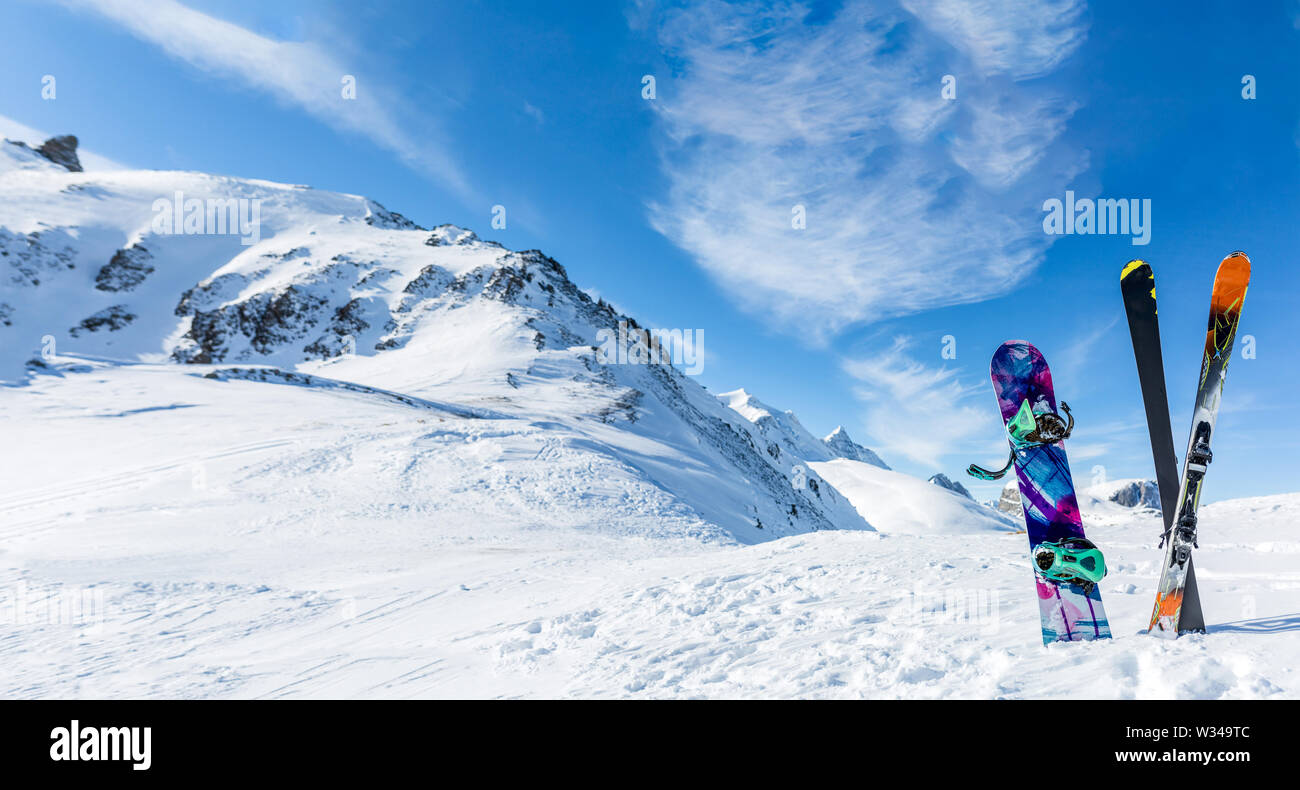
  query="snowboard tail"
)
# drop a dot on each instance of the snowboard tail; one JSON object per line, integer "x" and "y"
{"x": 1068, "y": 611}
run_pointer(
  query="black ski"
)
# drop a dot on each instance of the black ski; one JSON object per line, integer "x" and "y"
{"x": 1138, "y": 284}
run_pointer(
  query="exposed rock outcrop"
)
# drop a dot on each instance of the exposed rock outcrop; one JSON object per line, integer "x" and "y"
{"x": 943, "y": 481}
{"x": 62, "y": 150}
{"x": 127, "y": 269}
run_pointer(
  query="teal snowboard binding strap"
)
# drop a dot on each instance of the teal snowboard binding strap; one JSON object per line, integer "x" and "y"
{"x": 1072, "y": 560}
{"x": 1028, "y": 429}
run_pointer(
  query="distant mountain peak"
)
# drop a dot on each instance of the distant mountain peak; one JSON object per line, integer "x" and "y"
{"x": 381, "y": 217}
{"x": 447, "y": 234}
{"x": 841, "y": 446}
{"x": 1134, "y": 493}
{"x": 943, "y": 481}
{"x": 1009, "y": 500}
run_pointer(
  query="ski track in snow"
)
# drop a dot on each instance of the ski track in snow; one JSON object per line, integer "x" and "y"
{"x": 330, "y": 544}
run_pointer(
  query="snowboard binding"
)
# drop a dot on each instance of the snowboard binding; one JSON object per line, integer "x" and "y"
{"x": 1072, "y": 561}
{"x": 1026, "y": 430}
{"x": 1047, "y": 428}
{"x": 977, "y": 471}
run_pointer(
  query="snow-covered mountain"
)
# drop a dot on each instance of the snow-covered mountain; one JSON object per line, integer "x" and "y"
{"x": 344, "y": 293}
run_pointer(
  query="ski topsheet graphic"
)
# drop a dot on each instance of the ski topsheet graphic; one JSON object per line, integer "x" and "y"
{"x": 1066, "y": 565}
{"x": 1225, "y": 312}
{"x": 1138, "y": 285}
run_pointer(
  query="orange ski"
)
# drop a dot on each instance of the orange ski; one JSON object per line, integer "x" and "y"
{"x": 1180, "y": 537}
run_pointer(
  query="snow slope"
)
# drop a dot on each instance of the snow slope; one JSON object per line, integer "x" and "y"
{"x": 364, "y": 459}
{"x": 900, "y": 504}
{"x": 326, "y": 542}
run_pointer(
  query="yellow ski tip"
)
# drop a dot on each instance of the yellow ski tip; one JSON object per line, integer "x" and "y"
{"x": 1131, "y": 266}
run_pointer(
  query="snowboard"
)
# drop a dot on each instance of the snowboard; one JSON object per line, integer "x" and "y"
{"x": 1068, "y": 612}
{"x": 1226, "y": 301}
{"x": 1138, "y": 287}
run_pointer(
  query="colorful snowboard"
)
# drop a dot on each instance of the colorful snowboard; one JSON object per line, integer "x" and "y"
{"x": 1225, "y": 312}
{"x": 1068, "y": 614}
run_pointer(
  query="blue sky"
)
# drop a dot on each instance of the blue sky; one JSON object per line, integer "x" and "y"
{"x": 924, "y": 215}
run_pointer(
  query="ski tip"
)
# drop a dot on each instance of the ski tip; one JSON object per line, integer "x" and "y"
{"x": 1233, "y": 274}
{"x": 1237, "y": 262}
{"x": 1132, "y": 266}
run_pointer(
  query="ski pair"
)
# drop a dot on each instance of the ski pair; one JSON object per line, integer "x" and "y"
{"x": 1177, "y": 607}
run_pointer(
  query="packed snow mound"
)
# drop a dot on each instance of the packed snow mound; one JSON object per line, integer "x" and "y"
{"x": 843, "y": 447}
{"x": 335, "y": 293}
{"x": 900, "y": 504}
{"x": 943, "y": 481}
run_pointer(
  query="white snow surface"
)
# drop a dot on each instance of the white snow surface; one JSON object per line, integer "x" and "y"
{"x": 471, "y": 505}
{"x": 900, "y": 504}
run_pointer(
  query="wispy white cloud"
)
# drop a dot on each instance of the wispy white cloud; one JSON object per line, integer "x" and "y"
{"x": 921, "y": 412}
{"x": 1007, "y": 138}
{"x": 534, "y": 112}
{"x": 1021, "y": 39}
{"x": 1088, "y": 451}
{"x": 300, "y": 74}
{"x": 912, "y": 201}
{"x": 1071, "y": 363}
